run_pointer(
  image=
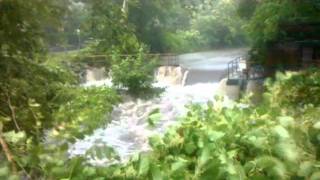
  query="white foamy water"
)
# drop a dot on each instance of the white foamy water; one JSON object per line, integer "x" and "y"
{"x": 104, "y": 82}
{"x": 129, "y": 129}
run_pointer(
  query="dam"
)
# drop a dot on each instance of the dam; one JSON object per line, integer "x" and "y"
{"x": 197, "y": 80}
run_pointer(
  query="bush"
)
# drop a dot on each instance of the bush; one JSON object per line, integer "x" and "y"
{"x": 136, "y": 73}
{"x": 268, "y": 141}
{"x": 81, "y": 111}
{"x": 85, "y": 110}
{"x": 294, "y": 89}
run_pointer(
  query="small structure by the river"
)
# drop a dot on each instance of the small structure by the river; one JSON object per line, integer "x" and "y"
{"x": 299, "y": 48}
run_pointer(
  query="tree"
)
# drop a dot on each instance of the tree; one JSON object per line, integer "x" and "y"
{"x": 219, "y": 25}
{"x": 153, "y": 19}
{"x": 264, "y": 26}
{"x": 110, "y": 28}
{"x": 27, "y": 88}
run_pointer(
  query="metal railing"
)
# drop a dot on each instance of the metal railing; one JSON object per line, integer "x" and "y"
{"x": 163, "y": 59}
{"x": 250, "y": 71}
{"x": 255, "y": 71}
{"x": 234, "y": 68}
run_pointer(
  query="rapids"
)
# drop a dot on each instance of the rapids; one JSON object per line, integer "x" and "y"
{"x": 129, "y": 130}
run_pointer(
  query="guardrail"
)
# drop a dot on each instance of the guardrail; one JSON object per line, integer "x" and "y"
{"x": 236, "y": 68}
{"x": 255, "y": 71}
{"x": 241, "y": 69}
{"x": 163, "y": 59}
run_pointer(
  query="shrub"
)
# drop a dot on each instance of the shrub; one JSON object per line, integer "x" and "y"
{"x": 294, "y": 88}
{"x": 268, "y": 141}
{"x": 135, "y": 72}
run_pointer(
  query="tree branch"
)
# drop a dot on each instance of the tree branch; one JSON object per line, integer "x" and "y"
{"x": 12, "y": 110}
{"x": 8, "y": 153}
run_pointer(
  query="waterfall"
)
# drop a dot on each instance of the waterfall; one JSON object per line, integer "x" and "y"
{"x": 95, "y": 74}
{"x": 169, "y": 75}
{"x": 184, "y": 79}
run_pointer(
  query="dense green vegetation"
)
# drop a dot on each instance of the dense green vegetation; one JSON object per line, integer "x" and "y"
{"x": 39, "y": 97}
{"x": 267, "y": 23}
{"x": 133, "y": 72}
{"x": 163, "y": 25}
{"x": 277, "y": 139}
{"x": 43, "y": 108}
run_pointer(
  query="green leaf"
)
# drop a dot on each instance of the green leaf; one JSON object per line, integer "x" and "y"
{"x": 144, "y": 165}
{"x": 90, "y": 171}
{"x": 14, "y": 137}
{"x": 317, "y": 125}
{"x": 205, "y": 156}
{"x": 287, "y": 150}
{"x": 4, "y": 171}
{"x": 156, "y": 173}
{"x": 4, "y": 119}
{"x": 281, "y": 132}
{"x": 154, "y": 117}
{"x": 190, "y": 147}
{"x": 179, "y": 164}
{"x": 315, "y": 176}
{"x": 215, "y": 135}
{"x": 156, "y": 141}
{"x": 305, "y": 168}
{"x": 286, "y": 121}
{"x": 272, "y": 166}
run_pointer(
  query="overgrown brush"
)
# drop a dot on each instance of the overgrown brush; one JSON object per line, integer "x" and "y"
{"x": 296, "y": 88}
{"x": 270, "y": 141}
{"x": 135, "y": 73}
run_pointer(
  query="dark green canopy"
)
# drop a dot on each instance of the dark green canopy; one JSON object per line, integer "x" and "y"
{"x": 309, "y": 43}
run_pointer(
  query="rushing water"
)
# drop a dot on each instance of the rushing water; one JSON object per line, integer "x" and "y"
{"x": 129, "y": 129}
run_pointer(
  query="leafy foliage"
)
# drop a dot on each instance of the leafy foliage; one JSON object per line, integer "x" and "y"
{"x": 268, "y": 141}
{"x": 265, "y": 28}
{"x": 297, "y": 88}
{"x": 110, "y": 28}
{"x": 38, "y": 97}
{"x": 87, "y": 109}
{"x": 164, "y": 25}
{"x": 42, "y": 109}
{"x": 81, "y": 111}
{"x": 133, "y": 72}
{"x": 219, "y": 25}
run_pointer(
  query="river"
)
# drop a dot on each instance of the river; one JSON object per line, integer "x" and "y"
{"x": 197, "y": 80}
